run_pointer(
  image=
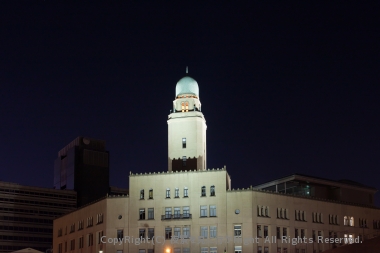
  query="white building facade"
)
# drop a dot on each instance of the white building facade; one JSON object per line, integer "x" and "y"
{"x": 189, "y": 208}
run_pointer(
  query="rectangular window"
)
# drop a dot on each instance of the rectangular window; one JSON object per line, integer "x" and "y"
{"x": 285, "y": 250}
{"x": 151, "y": 194}
{"x": 167, "y": 193}
{"x": 203, "y": 191}
{"x": 212, "y": 211}
{"x": 141, "y": 194}
{"x": 237, "y": 230}
{"x": 259, "y": 232}
{"x": 177, "y": 232}
{"x": 186, "y": 232}
{"x": 265, "y": 231}
{"x": 186, "y": 212}
{"x": 185, "y": 192}
{"x": 237, "y": 249}
{"x": 313, "y": 234}
{"x": 284, "y": 232}
{"x": 183, "y": 142}
{"x": 296, "y": 232}
{"x": 259, "y": 249}
{"x": 278, "y": 250}
{"x": 183, "y": 161}
{"x": 168, "y": 233}
{"x": 81, "y": 242}
{"x": 141, "y": 250}
{"x": 177, "y": 212}
{"x": 302, "y": 233}
{"x": 168, "y": 213}
{"x": 142, "y": 213}
{"x": 72, "y": 245}
{"x": 150, "y": 250}
{"x": 203, "y": 211}
{"x": 150, "y": 233}
{"x": 100, "y": 235}
{"x": 278, "y": 232}
{"x": 90, "y": 239}
{"x": 176, "y": 193}
{"x": 150, "y": 213}
{"x": 212, "y": 231}
{"x": 213, "y": 249}
{"x": 142, "y": 232}
{"x": 177, "y": 250}
{"x": 204, "y": 250}
{"x": 204, "y": 232}
{"x": 185, "y": 250}
{"x": 266, "y": 249}
{"x": 119, "y": 234}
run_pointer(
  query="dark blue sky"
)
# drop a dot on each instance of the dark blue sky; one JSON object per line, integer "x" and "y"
{"x": 285, "y": 88}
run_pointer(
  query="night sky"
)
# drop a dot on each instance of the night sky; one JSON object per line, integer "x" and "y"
{"x": 285, "y": 88}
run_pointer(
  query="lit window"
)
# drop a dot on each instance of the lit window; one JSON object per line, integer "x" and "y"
{"x": 352, "y": 221}
{"x": 203, "y": 192}
{"x": 212, "y": 190}
{"x": 151, "y": 194}
{"x": 187, "y": 106}
{"x": 167, "y": 193}
{"x": 176, "y": 193}
{"x": 183, "y": 161}
{"x": 183, "y": 106}
{"x": 183, "y": 142}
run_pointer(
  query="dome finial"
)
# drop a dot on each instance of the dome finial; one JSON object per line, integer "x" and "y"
{"x": 187, "y": 70}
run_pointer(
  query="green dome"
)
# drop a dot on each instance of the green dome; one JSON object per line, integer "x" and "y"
{"x": 187, "y": 85}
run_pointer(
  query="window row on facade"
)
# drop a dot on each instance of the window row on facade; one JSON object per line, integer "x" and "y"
{"x": 80, "y": 243}
{"x": 99, "y": 218}
{"x": 177, "y": 193}
{"x": 39, "y": 203}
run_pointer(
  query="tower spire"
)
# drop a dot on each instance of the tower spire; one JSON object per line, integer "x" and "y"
{"x": 187, "y": 70}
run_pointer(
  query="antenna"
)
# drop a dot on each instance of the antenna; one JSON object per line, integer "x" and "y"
{"x": 187, "y": 70}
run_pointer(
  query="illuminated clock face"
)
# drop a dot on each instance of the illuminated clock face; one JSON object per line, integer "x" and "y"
{"x": 237, "y": 211}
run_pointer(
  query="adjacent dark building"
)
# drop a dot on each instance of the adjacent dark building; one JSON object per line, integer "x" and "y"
{"x": 83, "y": 166}
{"x": 27, "y": 214}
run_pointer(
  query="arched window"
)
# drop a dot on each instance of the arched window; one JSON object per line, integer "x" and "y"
{"x": 187, "y": 106}
{"x": 183, "y": 106}
{"x": 203, "y": 192}
{"x": 167, "y": 193}
{"x": 212, "y": 190}
{"x": 141, "y": 194}
{"x": 151, "y": 194}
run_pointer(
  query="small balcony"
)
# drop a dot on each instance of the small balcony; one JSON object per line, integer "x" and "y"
{"x": 176, "y": 216}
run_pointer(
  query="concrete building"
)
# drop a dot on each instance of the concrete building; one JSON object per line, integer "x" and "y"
{"x": 83, "y": 166}
{"x": 27, "y": 213}
{"x": 190, "y": 208}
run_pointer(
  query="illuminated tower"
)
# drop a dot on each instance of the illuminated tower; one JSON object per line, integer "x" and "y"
{"x": 186, "y": 129}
